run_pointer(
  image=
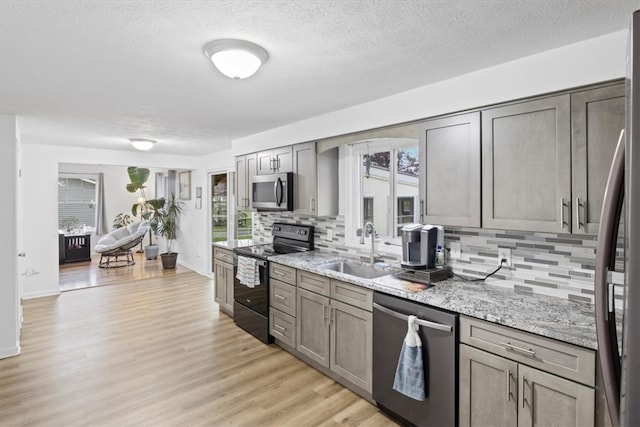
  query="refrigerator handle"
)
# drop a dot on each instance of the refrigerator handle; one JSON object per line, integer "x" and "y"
{"x": 605, "y": 261}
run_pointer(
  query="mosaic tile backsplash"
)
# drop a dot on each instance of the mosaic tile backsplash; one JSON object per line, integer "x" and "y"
{"x": 560, "y": 265}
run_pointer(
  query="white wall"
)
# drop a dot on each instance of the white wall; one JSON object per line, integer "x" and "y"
{"x": 9, "y": 284}
{"x": 582, "y": 63}
{"x": 40, "y": 198}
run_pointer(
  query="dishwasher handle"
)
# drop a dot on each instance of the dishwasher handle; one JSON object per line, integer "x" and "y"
{"x": 420, "y": 322}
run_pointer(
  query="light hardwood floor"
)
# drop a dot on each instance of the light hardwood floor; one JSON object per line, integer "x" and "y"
{"x": 156, "y": 352}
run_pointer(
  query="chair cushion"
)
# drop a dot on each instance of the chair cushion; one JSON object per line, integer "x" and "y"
{"x": 120, "y": 237}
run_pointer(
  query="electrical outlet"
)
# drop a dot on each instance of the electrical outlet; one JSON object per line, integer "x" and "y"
{"x": 329, "y": 234}
{"x": 504, "y": 253}
{"x": 454, "y": 250}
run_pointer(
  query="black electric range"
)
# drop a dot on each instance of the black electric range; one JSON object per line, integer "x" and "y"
{"x": 251, "y": 301}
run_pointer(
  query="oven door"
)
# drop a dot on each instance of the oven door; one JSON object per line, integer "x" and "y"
{"x": 256, "y": 298}
{"x": 272, "y": 192}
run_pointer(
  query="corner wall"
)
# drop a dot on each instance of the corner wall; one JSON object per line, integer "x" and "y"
{"x": 9, "y": 284}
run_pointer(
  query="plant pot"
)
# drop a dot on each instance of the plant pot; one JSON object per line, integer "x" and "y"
{"x": 151, "y": 251}
{"x": 169, "y": 260}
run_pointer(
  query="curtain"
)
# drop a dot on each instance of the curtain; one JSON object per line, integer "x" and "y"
{"x": 101, "y": 215}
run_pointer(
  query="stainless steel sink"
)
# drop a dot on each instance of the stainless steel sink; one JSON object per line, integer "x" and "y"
{"x": 355, "y": 269}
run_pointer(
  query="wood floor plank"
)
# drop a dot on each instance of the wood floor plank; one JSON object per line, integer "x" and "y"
{"x": 152, "y": 349}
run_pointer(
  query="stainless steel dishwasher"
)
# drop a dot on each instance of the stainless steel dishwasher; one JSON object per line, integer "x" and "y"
{"x": 439, "y": 334}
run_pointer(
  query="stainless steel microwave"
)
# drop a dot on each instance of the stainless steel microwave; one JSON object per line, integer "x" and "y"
{"x": 272, "y": 192}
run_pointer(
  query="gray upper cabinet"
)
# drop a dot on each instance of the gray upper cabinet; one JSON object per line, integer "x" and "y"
{"x": 450, "y": 178}
{"x": 597, "y": 116}
{"x": 277, "y": 160}
{"x": 245, "y": 169}
{"x": 315, "y": 181}
{"x": 526, "y": 166}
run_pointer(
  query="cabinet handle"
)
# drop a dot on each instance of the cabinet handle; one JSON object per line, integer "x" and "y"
{"x": 562, "y": 221}
{"x": 271, "y": 167}
{"x": 312, "y": 204}
{"x": 421, "y": 209}
{"x": 524, "y": 396}
{"x": 509, "y": 346}
{"x": 278, "y": 163}
{"x": 280, "y": 297}
{"x": 508, "y": 385}
{"x": 280, "y": 327}
{"x": 578, "y": 205}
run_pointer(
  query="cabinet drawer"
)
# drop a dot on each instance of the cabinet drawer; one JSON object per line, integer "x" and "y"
{"x": 282, "y": 296}
{"x": 566, "y": 360}
{"x": 223, "y": 255}
{"x": 352, "y": 294}
{"x": 282, "y": 273}
{"x": 283, "y": 327}
{"x": 314, "y": 283}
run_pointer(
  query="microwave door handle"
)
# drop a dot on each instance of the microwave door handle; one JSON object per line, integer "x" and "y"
{"x": 278, "y": 191}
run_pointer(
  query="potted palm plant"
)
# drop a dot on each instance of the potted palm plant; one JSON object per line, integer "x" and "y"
{"x": 168, "y": 218}
{"x": 147, "y": 208}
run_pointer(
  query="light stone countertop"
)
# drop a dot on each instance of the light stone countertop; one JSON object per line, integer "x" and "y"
{"x": 568, "y": 321}
{"x": 232, "y": 244}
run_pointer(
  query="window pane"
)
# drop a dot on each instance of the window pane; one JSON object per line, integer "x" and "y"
{"x": 76, "y": 202}
{"x": 367, "y": 210}
{"x": 407, "y": 186}
{"x": 219, "y": 207}
{"x": 376, "y": 188}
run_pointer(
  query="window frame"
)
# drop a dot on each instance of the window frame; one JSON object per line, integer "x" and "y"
{"x": 354, "y": 200}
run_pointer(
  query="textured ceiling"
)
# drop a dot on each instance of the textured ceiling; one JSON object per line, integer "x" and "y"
{"x": 94, "y": 73}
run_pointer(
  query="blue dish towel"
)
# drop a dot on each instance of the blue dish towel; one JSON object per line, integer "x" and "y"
{"x": 409, "y": 378}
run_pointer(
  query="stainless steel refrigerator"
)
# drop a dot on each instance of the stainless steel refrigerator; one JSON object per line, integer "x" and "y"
{"x": 621, "y": 366}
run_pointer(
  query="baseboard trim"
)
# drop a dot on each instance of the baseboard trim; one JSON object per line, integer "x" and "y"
{"x": 9, "y": 352}
{"x": 192, "y": 268}
{"x": 40, "y": 294}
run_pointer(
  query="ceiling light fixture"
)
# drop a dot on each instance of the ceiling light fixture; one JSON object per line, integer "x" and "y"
{"x": 236, "y": 59}
{"x": 143, "y": 144}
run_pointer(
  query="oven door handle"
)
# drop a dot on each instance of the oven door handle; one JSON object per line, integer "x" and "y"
{"x": 420, "y": 322}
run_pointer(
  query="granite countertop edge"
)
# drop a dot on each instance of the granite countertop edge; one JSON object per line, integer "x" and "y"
{"x": 572, "y": 322}
{"x": 232, "y": 244}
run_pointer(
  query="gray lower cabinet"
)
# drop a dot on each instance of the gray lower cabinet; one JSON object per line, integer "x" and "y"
{"x": 223, "y": 288}
{"x": 312, "y": 326}
{"x": 510, "y": 377}
{"x": 351, "y": 349}
{"x": 488, "y": 389}
{"x": 597, "y": 117}
{"x": 497, "y": 392}
{"x": 450, "y": 170}
{"x": 331, "y": 331}
{"x": 547, "y": 400}
{"x": 526, "y": 166}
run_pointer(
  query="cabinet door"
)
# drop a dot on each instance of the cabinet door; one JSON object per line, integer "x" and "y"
{"x": 526, "y": 166}
{"x": 241, "y": 183}
{"x": 220, "y": 289}
{"x": 488, "y": 389}
{"x": 305, "y": 178}
{"x": 282, "y": 159}
{"x": 265, "y": 163}
{"x": 450, "y": 163}
{"x": 547, "y": 400}
{"x": 597, "y": 117}
{"x": 312, "y": 326}
{"x": 352, "y": 344}
{"x": 229, "y": 277}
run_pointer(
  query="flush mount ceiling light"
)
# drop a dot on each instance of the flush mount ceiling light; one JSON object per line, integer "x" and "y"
{"x": 237, "y": 59}
{"x": 143, "y": 144}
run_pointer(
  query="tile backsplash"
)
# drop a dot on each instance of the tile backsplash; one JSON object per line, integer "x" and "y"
{"x": 560, "y": 265}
